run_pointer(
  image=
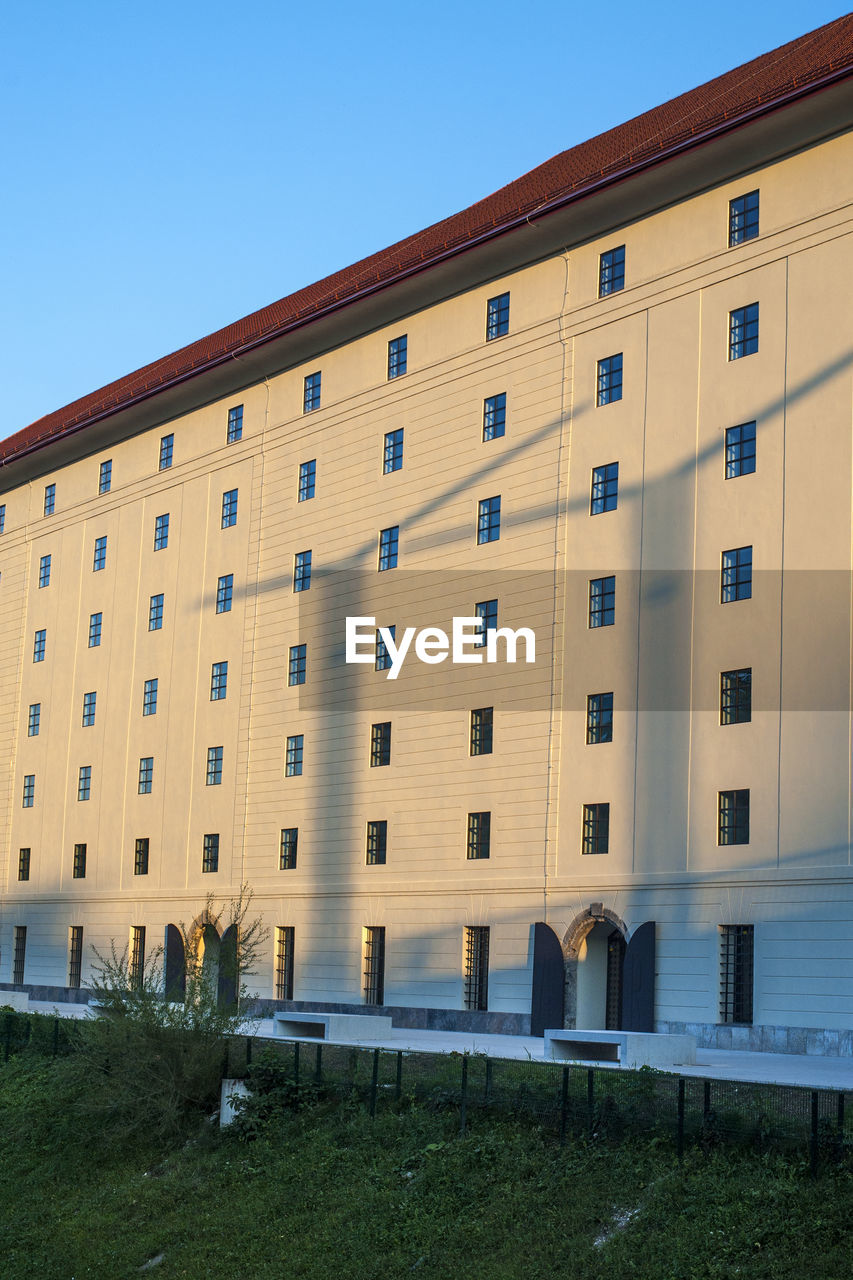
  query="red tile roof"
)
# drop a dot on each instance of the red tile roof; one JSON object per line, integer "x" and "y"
{"x": 758, "y": 86}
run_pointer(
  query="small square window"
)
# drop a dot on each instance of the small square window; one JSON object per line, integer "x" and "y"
{"x": 146, "y": 775}
{"x": 476, "y": 973}
{"x": 479, "y": 835}
{"x": 736, "y": 696}
{"x": 609, "y": 380}
{"x": 377, "y": 843}
{"x": 29, "y": 794}
{"x": 487, "y": 611}
{"x": 210, "y": 852}
{"x": 224, "y": 593}
{"x": 218, "y": 681}
{"x": 34, "y": 720}
{"x": 489, "y": 520}
{"x": 99, "y": 560}
{"x": 284, "y": 946}
{"x": 229, "y": 508}
{"x": 140, "y": 856}
{"x": 155, "y": 612}
{"x": 602, "y": 601}
{"x": 302, "y": 571}
{"x": 297, "y": 662}
{"x": 39, "y": 645}
{"x": 494, "y": 416}
{"x": 287, "y": 848}
{"x": 78, "y": 866}
{"x": 311, "y": 393}
{"x": 392, "y": 458}
{"x": 596, "y": 828}
{"x": 24, "y": 864}
{"x": 605, "y": 489}
{"x": 293, "y": 756}
{"x": 89, "y": 704}
{"x": 388, "y": 543}
{"x": 44, "y": 571}
{"x": 599, "y": 717}
{"x": 382, "y": 661}
{"x": 214, "y": 767}
{"x": 740, "y": 450}
{"x": 397, "y": 356}
{"x": 497, "y": 316}
{"x": 380, "y": 744}
{"x": 307, "y": 479}
{"x": 743, "y": 218}
{"x": 733, "y": 817}
{"x": 105, "y": 476}
{"x": 49, "y": 499}
{"x": 736, "y": 575}
{"x": 167, "y": 449}
{"x": 95, "y": 623}
{"x": 737, "y": 944}
{"x": 84, "y": 782}
{"x": 611, "y": 271}
{"x": 149, "y": 697}
{"x": 161, "y": 532}
{"x": 235, "y": 424}
{"x": 482, "y": 731}
{"x": 743, "y": 331}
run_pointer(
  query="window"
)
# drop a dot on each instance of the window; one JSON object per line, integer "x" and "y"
{"x": 44, "y": 571}
{"x": 393, "y": 455}
{"x": 397, "y": 356}
{"x": 218, "y": 681}
{"x": 284, "y": 935}
{"x": 75, "y": 954}
{"x": 736, "y": 972}
{"x": 602, "y": 601}
{"x": 599, "y": 717}
{"x": 743, "y": 218}
{"x": 167, "y": 448}
{"x": 489, "y": 520}
{"x": 311, "y": 393}
{"x": 743, "y": 331}
{"x": 224, "y": 593}
{"x": 39, "y": 644}
{"x": 736, "y": 696}
{"x": 49, "y": 499}
{"x": 210, "y": 852}
{"x": 307, "y": 479}
{"x": 605, "y": 489}
{"x": 377, "y": 843}
{"x": 374, "y": 964}
{"x": 388, "y": 543}
{"x": 214, "y": 767}
{"x": 740, "y": 450}
{"x": 229, "y": 508}
{"x": 105, "y": 476}
{"x": 78, "y": 862}
{"x": 611, "y": 271}
{"x": 293, "y": 756}
{"x": 89, "y": 701}
{"x": 140, "y": 856}
{"x": 136, "y": 971}
{"x": 161, "y": 532}
{"x": 380, "y": 744}
{"x": 84, "y": 782}
{"x": 488, "y": 611}
{"x": 155, "y": 612}
{"x": 24, "y": 864}
{"x": 494, "y": 416}
{"x": 382, "y": 660}
{"x": 733, "y": 817}
{"x": 146, "y": 775}
{"x": 2, "y": 517}
{"x": 287, "y": 848}
{"x": 609, "y": 380}
{"x": 235, "y": 424}
{"x": 736, "y": 575}
{"x": 149, "y": 697}
{"x": 297, "y": 664}
{"x": 19, "y": 956}
{"x": 95, "y": 621}
{"x": 29, "y": 795}
{"x": 99, "y": 560}
{"x": 497, "y": 316}
{"x": 302, "y": 571}
{"x": 596, "y": 828}
{"x": 479, "y": 835}
{"x": 476, "y": 991}
{"x": 482, "y": 724}
{"x": 34, "y": 720}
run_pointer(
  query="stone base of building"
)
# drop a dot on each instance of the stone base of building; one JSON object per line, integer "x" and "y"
{"x": 51, "y": 995}
{"x": 815, "y": 1041}
{"x": 407, "y": 1016}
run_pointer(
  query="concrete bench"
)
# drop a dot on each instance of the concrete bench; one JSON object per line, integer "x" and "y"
{"x": 331, "y": 1026}
{"x": 628, "y": 1048}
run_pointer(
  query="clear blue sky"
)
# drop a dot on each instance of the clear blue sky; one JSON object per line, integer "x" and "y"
{"x": 169, "y": 168}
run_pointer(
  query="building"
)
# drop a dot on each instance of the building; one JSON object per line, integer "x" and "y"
{"x": 610, "y": 403}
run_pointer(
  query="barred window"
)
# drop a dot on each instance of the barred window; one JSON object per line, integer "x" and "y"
{"x": 497, "y": 316}
{"x": 287, "y": 848}
{"x": 609, "y": 386}
{"x": 482, "y": 727}
{"x": 605, "y": 489}
{"x": 284, "y": 942}
{"x": 149, "y": 697}
{"x": 740, "y": 450}
{"x": 224, "y": 593}
{"x": 599, "y": 717}
{"x": 736, "y": 696}
{"x": 388, "y": 544}
{"x": 479, "y": 835}
{"x": 489, "y": 520}
{"x": 89, "y": 704}
{"x": 235, "y": 424}
{"x": 105, "y": 476}
{"x": 494, "y": 417}
{"x": 377, "y": 842}
{"x": 44, "y": 571}
{"x": 24, "y": 856}
{"x": 736, "y": 973}
{"x": 611, "y": 271}
{"x": 392, "y": 457}
{"x": 75, "y": 954}
{"x": 293, "y": 756}
{"x": 382, "y": 661}
{"x": 397, "y": 356}
{"x": 311, "y": 393}
{"x": 155, "y": 612}
{"x": 476, "y": 990}
{"x": 380, "y": 744}
{"x": 161, "y": 531}
{"x": 99, "y": 559}
{"x": 78, "y": 862}
{"x": 743, "y": 218}
{"x": 95, "y": 624}
{"x": 733, "y": 816}
{"x": 602, "y": 601}
{"x": 307, "y": 479}
{"x": 736, "y": 575}
{"x": 373, "y": 982}
{"x": 229, "y": 508}
{"x": 137, "y": 956}
{"x": 140, "y": 856}
{"x": 210, "y": 852}
{"x": 167, "y": 448}
{"x": 214, "y": 766}
{"x": 302, "y": 571}
{"x": 596, "y": 828}
{"x": 297, "y": 664}
{"x": 743, "y": 331}
{"x": 19, "y": 954}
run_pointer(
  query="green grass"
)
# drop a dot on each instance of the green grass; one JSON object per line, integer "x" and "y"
{"x": 329, "y": 1193}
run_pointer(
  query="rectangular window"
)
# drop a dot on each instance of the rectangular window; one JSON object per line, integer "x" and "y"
{"x": 736, "y": 575}
{"x": 95, "y": 622}
{"x": 302, "y": 571}
{"x": 373, "y": 984}
{"x": 39, "y": 645}
{"x": 740, "y": 450}
{"x": 214, "y": 767}
{"x": 743, "y": 331}
{"x": 78, "y": 862}
{"x": 167, "y": 449}
{"x": 736, "y": 696}
{"x": 476, "y": 992}
{"x": 49, "y": 499}
{"x": 2, "y": 517}
{"x": 99, "y": 559}
{"x": 287, "y": 848}
{"x": 609, "y": 380}
{"x": 737, "y": 944}
{"x": 611, "y": 271}
{"x": 149, "y": 697}
{"x": 497, "y": 316}
{"x": 397, "y": 356}
{"x": 307, "y": 479}
{"x": 19, "y": 955}
{"x": 489, "y": 520}
{"x": 479, "y": 835}
{"x": 75, "y": 954}
{"x": 146, "y": 775}
{"x": 382, "y": 661}
{"x": 297, "y": 662}
{"x": 24, "y": 864}
{"x": 140, "y": 856}
{"x": 743, "y": 218}
{"x": 84, "y": 782}
{"x": 494, "y": 416}
{"x": 235, "y": 424}
{"x": 487, "y": 611}
{"x": 388, "y": 544}
{"x": 482, "y": 726}
{"x": 293, "y": 756}
{"x": 377, "y": 843}
{"x": 210, "y": 852}
{"x": 311, "y": 393}
{"x": 218, "y": 681}
{"x": 284, "y": 936}
{"x": 602, "y": 601}
{"x": 161, "y": 532}
{"x": 155, "y": 612}
{"x": 29, "y": 795}
{"x": 605, "y": 489}
{"x": 34, "y": 720}
{"x": 596, "y": 828}
{"x": 44, "y": 571}
{"x": 392, "y": 458}
{"x": 229, "y": 508}
{"x": 733, "y": 817}
{"x": 380, "y": 744}
{"x": 599, "y": 717}
{"x": 105, "y": 476}
{"x": 89, "y": 703}
{"x": 136, "y": 971}
{"x": 224, "y": 593}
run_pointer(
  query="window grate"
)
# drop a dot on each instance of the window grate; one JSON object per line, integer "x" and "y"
{"x": 477, "y": 967}
{"x": 479, "y": 835}
{"x": 284, "y": 943}
{"x": 377, "y": 842}
{"x": 736, "y": 973}
{"x": 75, "y": 954}
{"x": 137, "y": 956}
{"x": 19, "y": 957}
{"x": 482, "y": 731}
{"x": 373, "y": 983}
{"x": 288, "y": 848}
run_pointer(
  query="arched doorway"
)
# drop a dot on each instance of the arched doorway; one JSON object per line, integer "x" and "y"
{"x": 594, "y": 949}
